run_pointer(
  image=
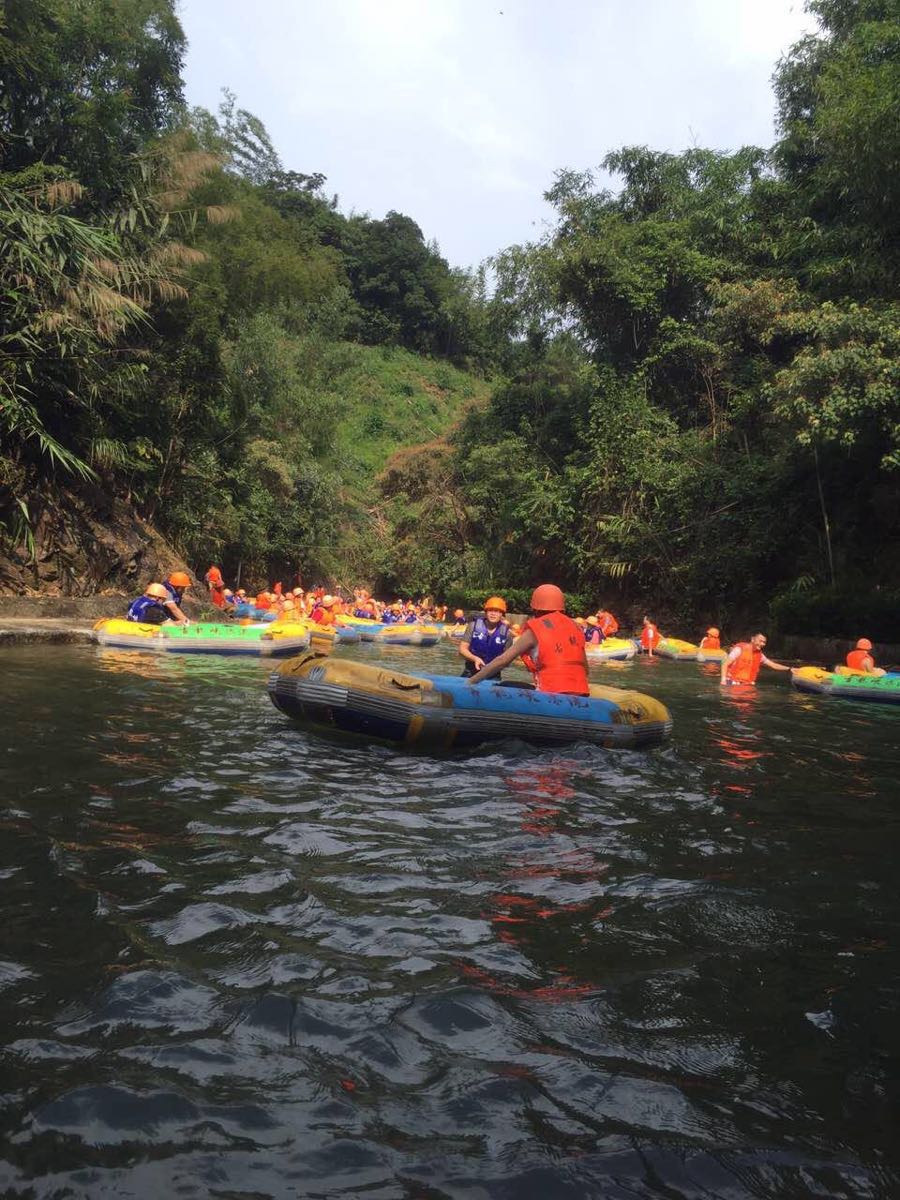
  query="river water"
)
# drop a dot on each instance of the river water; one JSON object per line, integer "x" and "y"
{"x": 240, "y": 959}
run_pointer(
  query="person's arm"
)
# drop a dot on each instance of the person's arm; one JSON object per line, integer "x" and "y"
{"x": 726, "y": 662}
{"x": 465, "y": 649}
{"x": 776, "y": 666}
{"x": 175, "y": 613}
{"x": 522, "y": 645}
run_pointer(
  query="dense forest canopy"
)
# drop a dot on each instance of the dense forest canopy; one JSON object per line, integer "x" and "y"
{"x": 687, "y": 391}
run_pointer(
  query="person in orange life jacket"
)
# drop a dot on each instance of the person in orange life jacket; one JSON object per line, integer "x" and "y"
{"x": 711, "y": 641}
{"x": 742, "y": 663}
{"x": 650, "y": 637}
{"x": 561, "y": 664}
{"x": 593, "y": 634}
{"x": 176, "y": 585}
{"x": 607, "y": 623}
{"x": 861, "y": 658}
{"x": 485, "y": 637}
{"x": 150, "y": 609}
{"x": 323, "y": 613}
{"x": 216, "y": 585}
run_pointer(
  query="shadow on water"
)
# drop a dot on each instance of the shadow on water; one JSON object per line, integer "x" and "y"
{"x": 243, "y": 960}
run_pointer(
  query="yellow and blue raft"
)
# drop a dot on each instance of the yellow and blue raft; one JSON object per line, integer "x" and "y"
{"x": 443, "y": 711}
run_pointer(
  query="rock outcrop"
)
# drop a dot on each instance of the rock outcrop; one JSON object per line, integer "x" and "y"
{"x": 87, "y": 544}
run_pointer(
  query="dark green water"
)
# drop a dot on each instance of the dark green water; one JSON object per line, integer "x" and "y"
{"x": 240, "y": 960}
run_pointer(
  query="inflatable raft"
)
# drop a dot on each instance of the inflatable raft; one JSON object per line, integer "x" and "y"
{"x": 882, "y": 689}
{"x": 443, "y": 711}
{"x": 710, "y": 656}
{"x": 678, "y": 650}
{"x": 203, "y": 638}
{"x": 611, "y": 649}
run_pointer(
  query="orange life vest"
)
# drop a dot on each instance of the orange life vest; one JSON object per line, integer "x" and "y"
{"x": 650, "y": 637}
{"x": 710, "y": 643}
{"x": 857, "y": 659}
{"x": 562, "y": 662}
{"x": 608, "y": 625}
{"x": 746, "y": 668}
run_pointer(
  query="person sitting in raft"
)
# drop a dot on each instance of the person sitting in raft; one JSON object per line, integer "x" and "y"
{"x": 607, "y": 622}
{"x": 149, "y": 609}
{"x": 593, "y": 634}
{"x": 712, "y": 640}
{"x": 861, "y": 658}
{"x": 486, "y": 637}
{"x": 323, "y": 613}
{"x": 393, "y": 614}
{"x": 650, "y": 637}
{"x": 216, "y": 585}
{"x": 176, "y": 585}
{"x": 561, "y": 664}
{"x": 744, "y": 660}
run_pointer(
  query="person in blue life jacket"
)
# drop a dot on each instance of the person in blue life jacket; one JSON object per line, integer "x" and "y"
{"x": 486, "y": 637}
{"x": 175, "y": 587}
{"x": 393, "y": 614}
{"x": 150, "y": 609}
{"x": 593, "y": 634}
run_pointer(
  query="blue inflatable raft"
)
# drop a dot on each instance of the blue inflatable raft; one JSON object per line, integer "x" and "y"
{"x": 442, "y": 711}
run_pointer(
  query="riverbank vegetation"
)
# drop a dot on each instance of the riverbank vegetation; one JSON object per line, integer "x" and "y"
{"x": 687, "y": 391}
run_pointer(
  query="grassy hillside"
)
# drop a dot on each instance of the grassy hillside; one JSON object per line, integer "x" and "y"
{"x": 392, "y": 398}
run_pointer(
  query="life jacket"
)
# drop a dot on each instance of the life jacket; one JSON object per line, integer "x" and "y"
{"x": 746, "y": 668}
{"x": 593, "y": 635}
{"x": 857, "y": 659}
{"x": 364, "y": 612}
{"x": 137, "y": 610}
{"x": 608, "y": 624}
{"x": 486, "y": 642}
{"x": 561, "y": 661}
{"x": 710, "y": 643}
{"x": 650, "y": 637}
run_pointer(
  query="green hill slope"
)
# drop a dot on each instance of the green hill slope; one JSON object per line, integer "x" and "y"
{"x": 392, "y": 398}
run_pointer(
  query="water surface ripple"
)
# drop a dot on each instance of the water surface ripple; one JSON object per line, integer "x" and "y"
{"x": 244, "y": 960}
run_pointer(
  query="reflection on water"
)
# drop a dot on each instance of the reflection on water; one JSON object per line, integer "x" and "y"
{"x": 241, "y": 960}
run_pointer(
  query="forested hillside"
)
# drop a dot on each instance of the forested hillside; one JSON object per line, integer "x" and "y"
{"x": 688, "y": 391}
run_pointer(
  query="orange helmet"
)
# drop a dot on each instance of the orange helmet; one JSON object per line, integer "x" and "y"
{"x": 712, "y": 631}
{"x": 864, "y": 644}
{"x": 157, "y": 591}
{"x": 180, "y": 579}
{"x": 548, "y": 598}
{"x": 495, "y": 602}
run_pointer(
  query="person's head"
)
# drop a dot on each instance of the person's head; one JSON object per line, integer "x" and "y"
{"x": 647, "y": 620}
{"x": 712, "y": 631}
{"x": 458, "y": 615}
{"x": 758, "y": 641}
{"x": 864, "y": 644}
{"x": 328, "y": 601}
{"x": 157, "y": 591}
{"x": 593, "y": 622}
{"x": 179, "y": 581}
{"x": 494, "y": 609}
{"x": 547, "y": 597}
{"x": 297, "y": 592}
{"x": 288, "y": 606}
{"x": 242, "y": 593}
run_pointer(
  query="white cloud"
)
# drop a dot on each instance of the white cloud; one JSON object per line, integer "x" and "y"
{"x": 459, "y": 111}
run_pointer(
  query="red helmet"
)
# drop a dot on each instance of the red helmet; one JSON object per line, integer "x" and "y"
{"x": 548, "y": 598}
{"x": 180, "y": 579}
{"x": 864, "y": 644}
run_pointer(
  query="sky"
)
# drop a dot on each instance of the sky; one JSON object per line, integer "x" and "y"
{"x": 458, "y": 112}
